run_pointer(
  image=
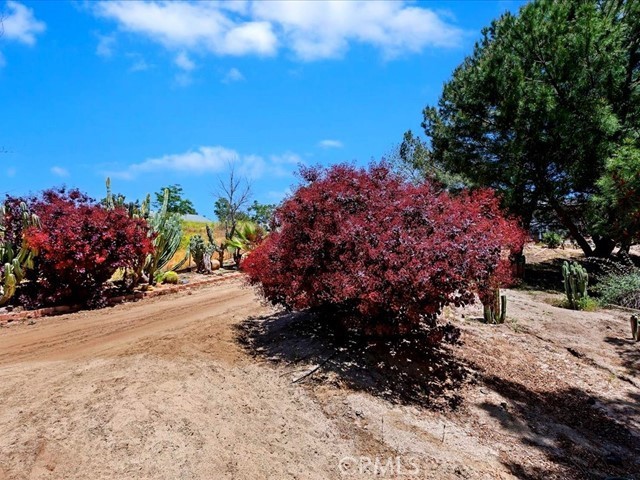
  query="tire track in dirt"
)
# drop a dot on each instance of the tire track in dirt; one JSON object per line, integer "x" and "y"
{"x": 106, "y": 331}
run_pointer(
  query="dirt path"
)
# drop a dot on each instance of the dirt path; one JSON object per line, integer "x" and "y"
{"x": 164, "y": 389}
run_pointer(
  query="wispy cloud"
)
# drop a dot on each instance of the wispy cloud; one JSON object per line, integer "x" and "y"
{"x": 20, "y": 24}
{"x": 139, "y": 65}
{"x": 186, "y": 66}
{"x": 233, "y": 75}
{"x": 311, "y": 30}
{"x": 105, "y": 46}
{"x": 59, "y": 171}
{"x": 183, "y": 62}
{"x": 330, "y": 144}
{"x": 212, "y": 159}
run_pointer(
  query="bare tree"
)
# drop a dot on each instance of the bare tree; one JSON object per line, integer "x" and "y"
{"x": 234, "y": 194}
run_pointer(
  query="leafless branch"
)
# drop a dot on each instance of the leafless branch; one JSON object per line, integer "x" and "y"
{"x": 237, "y": 192}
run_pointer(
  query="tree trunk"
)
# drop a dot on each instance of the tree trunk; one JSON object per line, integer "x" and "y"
{"x": 604, "y": 246}
{"x": 571, "y": 226}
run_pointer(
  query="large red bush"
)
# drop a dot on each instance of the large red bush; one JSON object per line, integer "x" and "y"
{"x": 368, "y": 242}
{"x": 80, "y": 245}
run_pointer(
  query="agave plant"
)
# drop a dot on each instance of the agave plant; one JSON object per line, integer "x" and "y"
{"x": 247, "y": 237}
{"x": 166, "y": 228}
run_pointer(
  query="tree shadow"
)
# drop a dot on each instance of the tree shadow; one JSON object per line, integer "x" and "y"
{"x": 582, "y": 435}
{"x": 629, "y": 352}
{"x": 404, "y": 370}
{"x": 545, "y": 275}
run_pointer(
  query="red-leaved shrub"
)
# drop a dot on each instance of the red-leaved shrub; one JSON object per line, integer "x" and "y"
{"x": 394, "y": 253}
{"x": 80, "y": 245}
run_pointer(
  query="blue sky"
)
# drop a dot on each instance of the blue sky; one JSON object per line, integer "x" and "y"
{"x": 156, "y": 93}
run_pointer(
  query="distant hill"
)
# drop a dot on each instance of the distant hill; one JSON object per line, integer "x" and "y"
{"x": 196, "y": 218}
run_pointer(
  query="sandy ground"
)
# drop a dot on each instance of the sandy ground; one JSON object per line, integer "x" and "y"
{"x": 209, "y": 385}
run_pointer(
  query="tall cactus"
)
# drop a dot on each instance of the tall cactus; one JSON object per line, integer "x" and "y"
{"x": 134, "y": 209}
{"x": 495, "y": 311}
{"x": 14, "y": 259}
{"x": 575, "y": 281}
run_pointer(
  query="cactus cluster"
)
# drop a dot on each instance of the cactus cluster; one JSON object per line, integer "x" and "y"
{"x": 496, "y": 310}
{"x": 576, "y": 280}
{"x": 14, "y": 259}
{"x": 202, "y": 251}
{"x": 135, "y": 209}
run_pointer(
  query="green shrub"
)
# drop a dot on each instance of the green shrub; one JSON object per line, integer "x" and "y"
{"x": 620, "y": 289}
{"x": 170, "y": 277}
{"x": 552, "y": 239}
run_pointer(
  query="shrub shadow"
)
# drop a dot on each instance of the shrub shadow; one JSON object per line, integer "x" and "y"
{"x": 407, "y": 370}
{"x": 582, "y": 435}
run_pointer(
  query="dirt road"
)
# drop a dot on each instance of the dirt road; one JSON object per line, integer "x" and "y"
{"x": 165, "y": 389}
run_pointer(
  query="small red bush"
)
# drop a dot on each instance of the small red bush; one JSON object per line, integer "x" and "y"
{"x": 80, "y": 245}
{"x": 368, "y": 242}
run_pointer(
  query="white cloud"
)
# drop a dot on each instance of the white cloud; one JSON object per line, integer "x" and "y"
{"x": 215, "y": 159}
{"x": 20, "y": 24}
{"x": 183, "y": 62}
{"x": 203, "y": 160}
{"x": 233, "y": 75}
{"x": 192, "y": 25}
{"x": 317, "y": 30}
{"x": 59, "y": 171}
{"x": 105, "y": 46}
{"x": 330, "y": 144}
{"x": 311, "y": 30}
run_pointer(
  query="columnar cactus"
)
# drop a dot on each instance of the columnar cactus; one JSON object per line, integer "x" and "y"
{"x": 496, "y": 310}
{"x": 12, "y": 262}
{"x": 576, "y": 280}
